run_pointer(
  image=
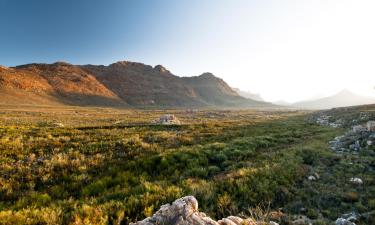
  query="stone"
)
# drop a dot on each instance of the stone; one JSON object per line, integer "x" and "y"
{"x": 370, "y": 126}
{"x": 351, "y": 216}
{"x": 356, "y": 180}
{"x": 316, "y": 175}
{"x": 342, "y": 221}
{"x": 302, "y": 220}
{"x": 311, "y": 178}
{"x": 358, "y": 128}
{"x": 167, "y": 119}
{"x": 184, "y": 211}
{"x": 58, "y": 125}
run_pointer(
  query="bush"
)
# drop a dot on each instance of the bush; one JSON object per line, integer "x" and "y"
{"x": 312, "y": 214}
{"x": 351, "y": 196}
{"x": 309, "y": 156}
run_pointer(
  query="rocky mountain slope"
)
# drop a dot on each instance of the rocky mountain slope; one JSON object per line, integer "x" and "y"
{"x": 58, "y": 83}
{"x": 119, "y": 84}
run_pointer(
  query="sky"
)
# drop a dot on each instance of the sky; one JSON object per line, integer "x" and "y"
{"x": 285, "y": 50}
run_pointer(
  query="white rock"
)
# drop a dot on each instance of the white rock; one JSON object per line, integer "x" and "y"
{"x": 311, "y": 178}
{"x": 167, "y": 119}
{"x": 184, "y": 211}
{"x": 342, "y": 221}
{"x": 235, "y": 219}
{"x": 356, "y": 180}
{"x": 58, "y": 125}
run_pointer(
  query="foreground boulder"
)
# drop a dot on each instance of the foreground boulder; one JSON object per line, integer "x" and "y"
{"x": 184, "y": 211}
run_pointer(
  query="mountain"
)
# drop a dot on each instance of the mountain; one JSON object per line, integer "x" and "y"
{"x": 282, "y": 103}
{"x": 119, "y": 84}
{"x": 341, "y": 99}
{"x": 249, "y": 95}
{"x": 58, "y": 83}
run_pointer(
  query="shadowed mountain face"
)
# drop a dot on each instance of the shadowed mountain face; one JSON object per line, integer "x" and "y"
{"x": 119, "y": 84}
{"x": 342, "y": 99}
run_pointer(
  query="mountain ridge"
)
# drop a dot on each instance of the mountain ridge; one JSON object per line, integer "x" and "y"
{"x": 123, "y": 84}
{"x": 343, "y": 98}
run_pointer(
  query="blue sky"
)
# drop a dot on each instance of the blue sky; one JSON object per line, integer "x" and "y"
{"x": 290, "y": 50}
{"x": 80, "y": 31}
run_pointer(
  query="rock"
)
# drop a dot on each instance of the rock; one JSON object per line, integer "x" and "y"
{"x": 316, "y": 175}
{"x": 311, "y": 178}
{"x": 184, "y": 211}
{"x": 356, "y": 180}
{"x": 302, "y": 220}
{"x": 58, "y": 125}
{"x": 371, "y": 126}
{"x": 161, "y": 69}
{"x": 342, "y": 221}
{"x": 226, "y": 221}
{"x": 167, "y": 119}
{"x": 118, "y": 122}
{"x": 351, "y": 216}
{"x": 358, "y": 128}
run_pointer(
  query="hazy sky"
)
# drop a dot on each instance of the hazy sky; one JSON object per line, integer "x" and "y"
{"x": 288, "y": 50}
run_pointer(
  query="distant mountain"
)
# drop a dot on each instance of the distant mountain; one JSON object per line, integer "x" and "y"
{"x": 249, "y": 95}
{"x": 119, "y": 84}
{"x": 341, "y": 99}
{"x": 282, "y": 103}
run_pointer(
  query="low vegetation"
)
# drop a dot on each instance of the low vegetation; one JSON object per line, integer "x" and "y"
{"x": 107, "y": 166}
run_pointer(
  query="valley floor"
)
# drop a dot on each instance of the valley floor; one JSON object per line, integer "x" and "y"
{"x": 74, "y": 165}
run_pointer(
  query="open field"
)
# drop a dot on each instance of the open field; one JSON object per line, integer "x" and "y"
{"x": 74, "y": 165}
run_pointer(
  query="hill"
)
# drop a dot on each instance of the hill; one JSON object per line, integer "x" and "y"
{"x": 342, "y": 99}
{"x": 119, "y": 84}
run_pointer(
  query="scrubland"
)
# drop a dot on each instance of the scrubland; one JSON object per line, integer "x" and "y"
{"x": 73, "y": 165}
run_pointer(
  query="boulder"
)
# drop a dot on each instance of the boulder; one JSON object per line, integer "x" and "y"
{"x": 167, "y": 119}
{"x": 311, "y": 178}
{"x": 342, "y": 221}
{"x": 302, "y": 220}
{"x": 184, "y": 211}
{"x": 356, "y": 180}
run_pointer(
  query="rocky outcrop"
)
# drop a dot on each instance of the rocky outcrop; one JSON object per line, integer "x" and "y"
{"x": 184, "y": 211}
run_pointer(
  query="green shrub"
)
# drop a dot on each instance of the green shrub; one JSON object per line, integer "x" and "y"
{"x": 351, "y": 196}
{"x": 312, "y": 213}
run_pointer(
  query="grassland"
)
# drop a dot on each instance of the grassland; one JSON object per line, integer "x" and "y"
{"x": 110, "y": 166}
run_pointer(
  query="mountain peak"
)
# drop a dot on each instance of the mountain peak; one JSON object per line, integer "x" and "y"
{"x": 161, "y": 69}
{"x": 126, "y": 63}
{"x": 207, "y": 75}
{"x": 62, "y": 63}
